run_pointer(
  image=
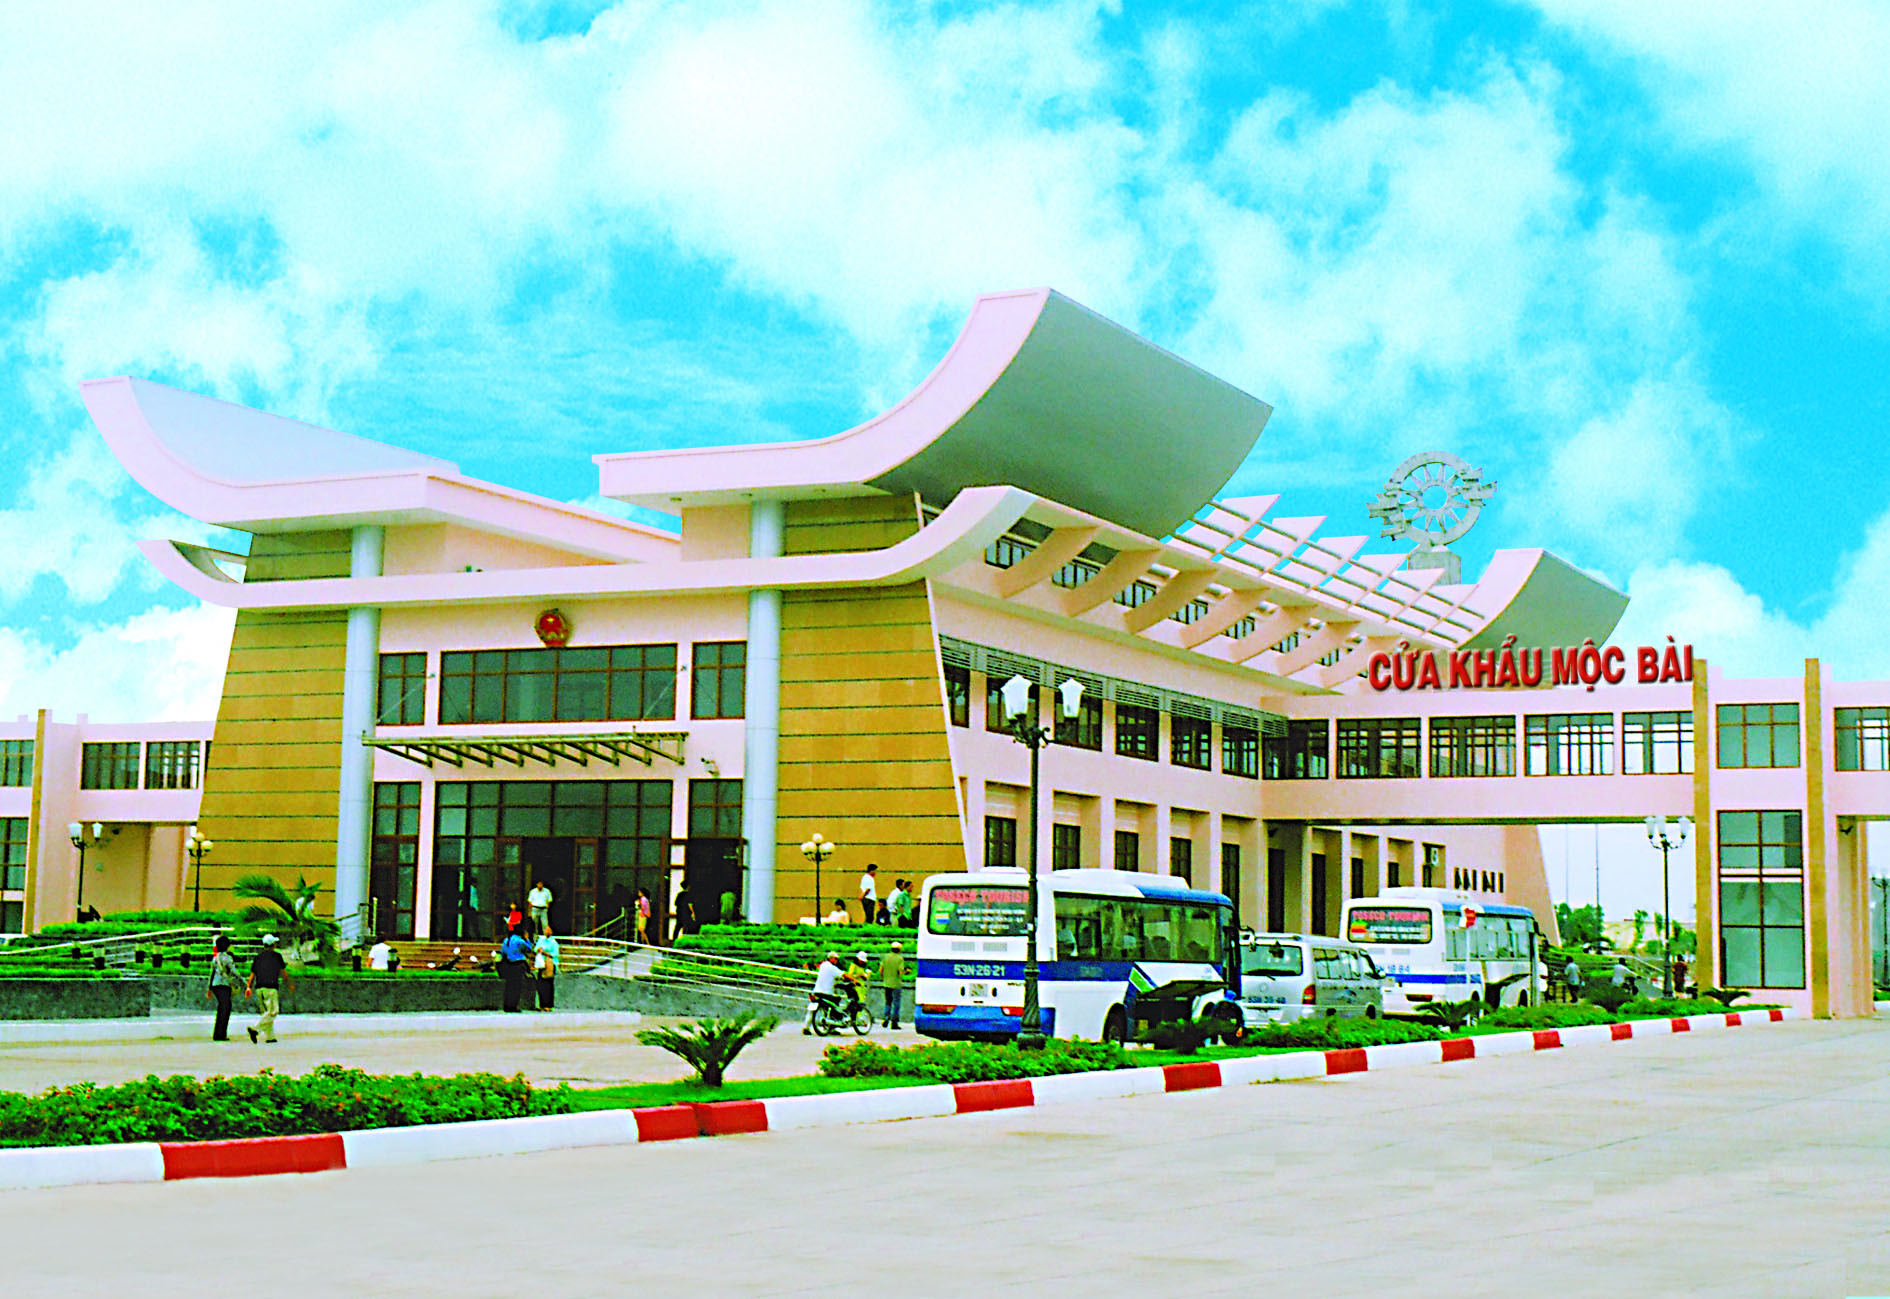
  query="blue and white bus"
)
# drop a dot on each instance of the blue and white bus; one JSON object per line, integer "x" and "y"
{"x": 1418, "y": 938}
{"x": 1115, "y": 950}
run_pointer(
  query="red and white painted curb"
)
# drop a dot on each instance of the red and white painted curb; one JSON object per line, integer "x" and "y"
{"x": 154, "y": 1161}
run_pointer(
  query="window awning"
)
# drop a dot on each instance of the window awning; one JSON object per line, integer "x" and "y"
{"x": 547, "y": 750}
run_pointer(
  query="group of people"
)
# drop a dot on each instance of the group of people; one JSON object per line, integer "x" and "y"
{"x": 267, "y": 972}
{"x": 845, "y": 989}
{"x": 898, "y": 908}
{"x": 529, "y": 945}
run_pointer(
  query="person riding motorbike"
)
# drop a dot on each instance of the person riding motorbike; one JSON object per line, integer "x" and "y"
{"x": 854, "y": 982}
{"x": 826, "y": 979}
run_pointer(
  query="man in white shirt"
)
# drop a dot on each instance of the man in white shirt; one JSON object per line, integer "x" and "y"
{"x": 378, "y": 954}
{"x": 826, "y": 980}
{"x": 538, "y": 903}
{"x": 869, "y": 895}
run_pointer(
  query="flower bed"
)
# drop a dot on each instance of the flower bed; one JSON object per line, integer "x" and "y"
{"x": 329, "y": 1098}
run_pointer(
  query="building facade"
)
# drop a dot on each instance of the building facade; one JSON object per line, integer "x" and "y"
{"x": 442, "y": 690}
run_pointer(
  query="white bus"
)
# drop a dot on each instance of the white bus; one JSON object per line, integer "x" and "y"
{"x": 1418, "y": 939}
{"x": 1115, "y": 950}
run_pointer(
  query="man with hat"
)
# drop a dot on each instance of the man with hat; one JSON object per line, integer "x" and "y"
{"x": 265, "y": 985}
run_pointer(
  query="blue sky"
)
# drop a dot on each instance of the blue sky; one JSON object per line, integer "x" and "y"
{"x": 1631, "y": 259}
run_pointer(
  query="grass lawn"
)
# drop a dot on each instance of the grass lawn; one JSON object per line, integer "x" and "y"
{"x": 631, "y": 1095}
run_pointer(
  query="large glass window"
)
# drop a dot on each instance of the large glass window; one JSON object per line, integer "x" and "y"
{"x": 721, "y": 678}
{"x": 958, "y": 695}
{"x": 1863, "y": 739}
{"x": 1378, "y": 748}
{"x": 16, "y": 762}
{"x": 173, "y": 764}
{"x": 479, "y": 868}
{"x": 1762, "y": 899}
{"x": 1568, "y": 744}
{"x": 1085, "y": 730}
{"x": 1000, "y": 841}
{"x": 1473, "y": 746}
{"x": 112, "y": 765}
{"x": 1300, "y": 754}
{"x": 619, "y": 683}
{"x": 12, "y": 852}
{"x": 1656, "y": 744}
{"x": 402, "y": 690}
{"x": 715, "y": 809}
{"x": 1240, "y": 750}
{"x": 1138, "y": 731}
{"x": 1757, "y": 735}
{"x": 1191, "y": 742}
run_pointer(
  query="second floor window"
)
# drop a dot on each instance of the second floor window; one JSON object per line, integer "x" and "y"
{"x": 604, "y": 683}
{"x": 173, "y": 764}
{"x": 1191, "y": 742}
{"x": 1000, "y": 841}
{"x": 1863, "y": 739}
{"x": 1138, "y": 731}
{"x": 1085, "y": 730}
{"x": 1757, "y": 735}
{"x": 1300, "y": 754}
{"x": 16, "y": 762}
{"x": 1656, "y": 744}
{"x": 721, "y": 679}
{"x": 1378, "y": 748}
{"x": 1473, "y": 746}
{"x": 403, "y": 690}
{"x": 1240, "y": 751}
{"x": 112, "y": 765}
{"x": 1568, "y": 744}
{"x": 958, "y": 695}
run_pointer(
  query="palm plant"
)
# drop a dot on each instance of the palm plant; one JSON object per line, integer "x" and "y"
{"x": 1452, "y": 1014}
{"x": 709, "y": 1046}
{"x": 289, "y": 911}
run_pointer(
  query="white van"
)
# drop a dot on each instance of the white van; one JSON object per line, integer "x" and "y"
{"x": 1304, "y": 976}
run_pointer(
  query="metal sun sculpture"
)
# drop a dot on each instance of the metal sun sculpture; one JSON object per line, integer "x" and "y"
{"x": 1433, "y": 498}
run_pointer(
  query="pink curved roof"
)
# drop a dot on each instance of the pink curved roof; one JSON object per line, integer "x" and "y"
{"x": 241, "y": 468}
{"x": 1036, "y": 392}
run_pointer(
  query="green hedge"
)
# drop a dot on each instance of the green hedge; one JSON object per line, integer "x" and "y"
{"x": 329, "y": 1098}
{"x": 1547, "y": 1016}
{"x": 956, "y": 1062}
{"x": 1339, "y": 1034}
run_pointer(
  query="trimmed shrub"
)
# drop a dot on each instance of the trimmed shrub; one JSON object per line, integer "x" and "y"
{"x": 956, "y": 1062}
{"x": 1607, "y": 996}
{"x": 1547, "y": 1016}
{"x": 1675, "y": 1007}
{"x": 709, "y": 1046}
{"x": 1340, "y": 1034}
{"x": 1724, "y": 996}
{"x": 329, "y": 1098}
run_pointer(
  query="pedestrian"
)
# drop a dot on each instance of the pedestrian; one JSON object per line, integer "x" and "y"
{"x": 545, "y": 966}
{"x": 1572, "y": 976}
{"x": 869, "y": 893}
{"x": 1620, "y": 976}
{"x": 379, "y": 955}
{"x": 265, "y": 985}
{"x": 514, "y": 918}
{"x": 896, "y": 902}
{"x": 839, "y": 915}
{"x": 643, "y": 916}
{"x": 685, "y": 917}
{"x": 892, "y": 985}
{"x": 222, "y": 986}
{"x": 826, "y": 979}
{"x": 1679, "y": 974}
{"x": 514, "y": 952}
{"x": 539, "y": 900}
{"x": 728, "y": 909}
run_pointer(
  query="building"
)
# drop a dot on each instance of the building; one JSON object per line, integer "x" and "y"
{"x": 132, "y": 792}
{"x": 441, "y": 690}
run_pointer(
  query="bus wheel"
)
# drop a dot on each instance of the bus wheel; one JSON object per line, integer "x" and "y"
{"x": 1116, "y": 1026}
{"x": 1522, "y": 999}
{"x": 1371, "y": 1012}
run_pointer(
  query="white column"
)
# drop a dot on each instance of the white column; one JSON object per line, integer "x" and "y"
{"x": 354, "y": 811}
{"x": 762, "y": 710}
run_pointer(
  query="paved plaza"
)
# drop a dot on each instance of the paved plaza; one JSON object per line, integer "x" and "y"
{"x": 585, "y": 1050}
{"x": 1742, "y": 1162}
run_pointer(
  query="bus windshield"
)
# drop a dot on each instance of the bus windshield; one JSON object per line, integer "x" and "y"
{"x": 1403, "y": 925}
{"x": 978, "y": 911}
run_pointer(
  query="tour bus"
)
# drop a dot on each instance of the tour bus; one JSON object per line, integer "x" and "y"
{"x": 1115, "y": 950}
{"x": 1417, "y": 937}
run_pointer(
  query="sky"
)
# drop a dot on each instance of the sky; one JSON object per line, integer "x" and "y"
{"x": 1631, "y": 260}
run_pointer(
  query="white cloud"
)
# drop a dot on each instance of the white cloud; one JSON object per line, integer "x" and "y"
{"x": 1796, "y": 91}
{"x": 75, "y": 520}
{"x": 160, "y": 665}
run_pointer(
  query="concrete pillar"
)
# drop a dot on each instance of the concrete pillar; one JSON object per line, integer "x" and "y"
{"x": 354, "y": 813}
{"x": 1106, "y": 831}
{"x": 1159, "y": 858}
{"x": 762, "y": 712}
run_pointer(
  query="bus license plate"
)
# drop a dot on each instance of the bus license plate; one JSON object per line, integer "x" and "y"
{"x": 978, "y": 990}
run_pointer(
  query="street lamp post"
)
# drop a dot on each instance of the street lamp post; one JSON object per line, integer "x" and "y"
{"x": 196, "y": 845}
{"x": 1016, "y": 697}
{"x": 817, "y": 850}
{"x": 76, "y": 831}
{"x": 1666, "y": 835}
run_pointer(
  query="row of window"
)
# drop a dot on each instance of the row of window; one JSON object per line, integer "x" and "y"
{"x": 129, "y": 764}
{"x": 1066, "y": 849}
{"x": 606, "y": 683}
